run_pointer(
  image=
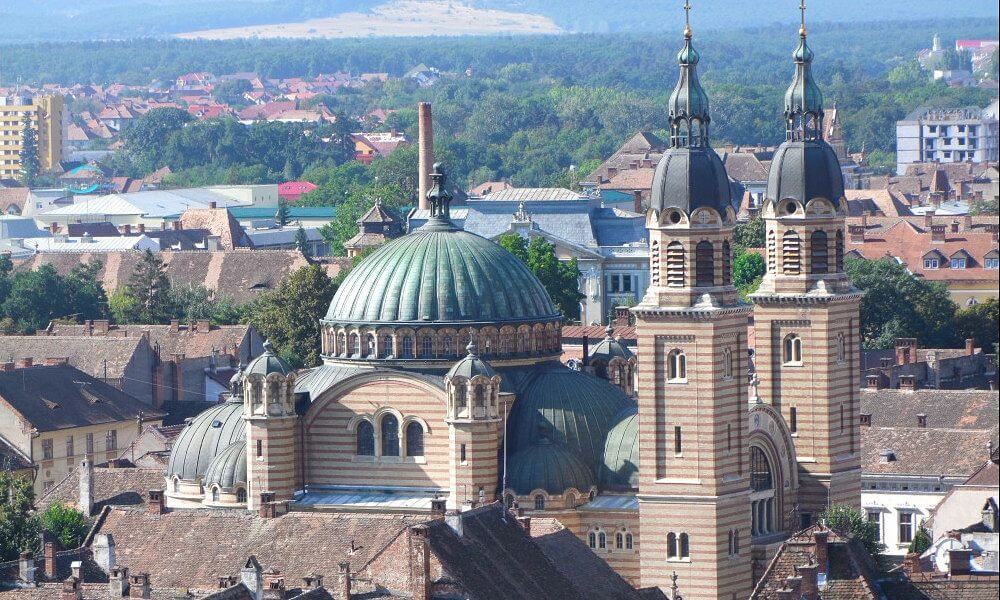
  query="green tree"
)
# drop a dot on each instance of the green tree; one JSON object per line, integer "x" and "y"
{"x": 849, "y": 521}
{"x": 28, "y": 155}
{"x": 67, "y": 524}
{"x": 748, "y": 269}
{"x": 980, "y": 322}
{"x": 18, "y": 527}
{"x": 344, "y": 225}
{"x": 35, "y": 298}
{"x": 302, "y": 242}
{"x": 146, "y": 140}
{"x": 281, "y": 215}
{"x": 150, "y": 287}
{"x": 921, "y": 542}
{"x": 560, "y": 278}
{"x": 749, "y": 234}
{"x": 123, "y": 306}
{"x": 289, "y": 316}
{"x": 85, "y": 294}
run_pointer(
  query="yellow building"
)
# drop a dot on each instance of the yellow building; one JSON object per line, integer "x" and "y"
{"x": 46, "y": 114}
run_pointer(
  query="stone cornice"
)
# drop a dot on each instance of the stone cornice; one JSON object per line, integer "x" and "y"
{"x": 765, "y": 299}
{"x": 702, "y": 313}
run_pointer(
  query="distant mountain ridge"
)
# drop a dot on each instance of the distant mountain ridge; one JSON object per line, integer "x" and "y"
{"x": 58, "y": 20}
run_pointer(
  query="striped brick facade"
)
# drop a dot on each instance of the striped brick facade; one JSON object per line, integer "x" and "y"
{"x": 273, "y": 469}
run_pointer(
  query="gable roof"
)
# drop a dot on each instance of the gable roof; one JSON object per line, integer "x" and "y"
{"x": 218, "y": 222}
{"x": 112, "y": 487}
{"x": 184, "y": 339}
{"x": 51, "y": 398}
{"x": 93, "y": 356}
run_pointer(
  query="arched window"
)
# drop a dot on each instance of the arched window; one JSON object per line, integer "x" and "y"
{"x": 426, "y": 346}
{"x": 407, "y": 347}
{"x": 539, "y": 502}
{"x": 671, "y": 545}
{"x": 355, "y": 345}
{"x": 480, "y": 396}
{"x": 727, "y": 263}
{"x": 448, "y": 345}
{"x": 414, "y": 439}
{"x": 736, "y": 542}
{"x": 176, "y": 485}
{"x": 675, "y": 265}
{"x": 341, "y": 343}
{"x": 704, "y": 264}
{"x": 390, "y": 436}
{"x": 602, "y": 540}
{"x": 619, "y": 541}
{"x": 730, "y": 541}
{"x": 273, "y": 390}
{"x": 676, "y": 366}
{"x": 839, "y": 251}
{"x": 762, "y": 506}
{"x": 386, "y": 346}
{"x": 628, "y": 541}
{"x": 760, "y": 471}
{"x": 370, "y": 350}
{"x": 215, "y": 494}
{"x": 684, "y": 551}
{"x": 819, "y": 253}
{"x": 241, "y": 495}
{"x": 365, "y": 439}
{"x": 790, "y": 258}
{"x": 461, "y": 399}
{"x": 792, "y": 350}
{"x": 592, "y": 539}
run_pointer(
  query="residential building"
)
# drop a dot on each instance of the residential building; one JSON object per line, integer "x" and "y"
{"x": 947, "y": 135}
{"x": 57, "y": 415}
{"x": 274, "y": 237}
{"x": 291, "y": 191}
{"x": 45, "y": 115}
{"x": 917, "y": 445}
{"x": 377, "y": 226}
{"x": 907, "y": 366}
{"x": 959, "y": 252}
{"x": 369, "y": 146}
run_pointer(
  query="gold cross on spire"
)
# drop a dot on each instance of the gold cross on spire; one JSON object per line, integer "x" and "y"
{"x": 802, "y": 9}
{"x": 687, "y": 18}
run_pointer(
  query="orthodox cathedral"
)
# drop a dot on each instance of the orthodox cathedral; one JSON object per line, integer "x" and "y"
{"x": 442, "y": 382}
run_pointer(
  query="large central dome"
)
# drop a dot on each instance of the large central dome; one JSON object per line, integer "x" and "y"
{"x": 441, "y": 274}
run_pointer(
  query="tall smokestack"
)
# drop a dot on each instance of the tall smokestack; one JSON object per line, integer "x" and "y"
{"x": 426, "y": 150}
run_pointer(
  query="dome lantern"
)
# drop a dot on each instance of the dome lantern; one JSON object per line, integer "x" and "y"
{"x": 803, "y": 100}
{"x": 473, "y": 388}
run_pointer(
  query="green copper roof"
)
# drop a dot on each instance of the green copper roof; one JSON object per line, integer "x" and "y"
{"x": 229, "y": 468}
{"x": 803, "y": 95}
{"x": 564, "y": 406}
{"x": 620, "y": 468}
{"x": 688, "y": 98}
{"x": 204, "y": 438}
{"x": 440, "y": 274}
{"x": 268, "y": 362}
{"x": 610, "y": 347}
{"x": 550, "y": 467}
{"x": 471, "y": 366}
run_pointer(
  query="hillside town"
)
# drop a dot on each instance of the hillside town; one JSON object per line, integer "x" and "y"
{"x": 695, "y": 370}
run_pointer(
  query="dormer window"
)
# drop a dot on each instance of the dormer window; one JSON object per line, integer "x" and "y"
{"x": 959, "y": 261}
{"x": 932, "y": 263}
{"x": 992, "y": 260}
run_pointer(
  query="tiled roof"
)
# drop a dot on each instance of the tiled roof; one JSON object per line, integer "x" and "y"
{"x": 847, "y": 577}
{"x": 185, "y": 339}
{"x": 744, "y": 166}
{"x": 596, "y": 333}
{"x": 112, "y": 487}
{"x": 219, "y": 222}
{"x": 59, "y": 397}
{"x": 938, "y": 588}
{"x": 94, "y": 356}
{"x": 11, "y": 459}
{"x": 579, "y": 564}
{"x": 17, "y": 196}
{"x": 533, "y": 195}
{"x": 946, "y": 409}
{"x": 987, "y": 474}
{"x": 193, "y": 548}
{"x": 923, "y": 451}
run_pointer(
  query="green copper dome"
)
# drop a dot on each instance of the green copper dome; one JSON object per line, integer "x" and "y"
{"x": 440, "y": 274}
{"x": 204, "y": 438}
{"x": 550, "y": 467}
{"x": 620, "y": 467}
{"x": 267, "y": 363}
{"x": 229, "y": 468}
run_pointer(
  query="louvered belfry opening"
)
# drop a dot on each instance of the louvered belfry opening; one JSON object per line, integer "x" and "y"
{"x": 675, "y": 265}
{"x": 819, "y": 253}
{"x": 704, "y": 264}
{"x": 790, "y": 254}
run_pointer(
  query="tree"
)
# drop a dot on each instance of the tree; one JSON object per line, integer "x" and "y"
{"x": 560, "y": 278}
{"x": 849, "y": 521}
{"x": 302, "y": 242}
{"x": 281, "y": 215}
{"x": 146, "y": 140}
{"x": 67, "y": 524}
{"x": 84, "y": 293}
{"x": 18, "y": 527}
{"x": 35, "y": 298}
{"x": 980, "y": 322}
{"x": 123, "y": 306}
{"x": 289, "y": 316}
{"x": 150, "y": 287}
{"x": 921, "y": 542}
{"x": 748, "y": 269}
{"x": 360, "y": 198}
{"x": 28, "y": 155}
{"x": 749, "y": 234}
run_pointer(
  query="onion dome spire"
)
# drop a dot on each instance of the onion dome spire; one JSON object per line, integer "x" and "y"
{"x": 803, "y": 100}
{"x": 688, "y": 104}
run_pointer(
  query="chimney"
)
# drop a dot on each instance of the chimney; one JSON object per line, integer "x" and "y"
{"x": 252, "y": 576}
{"x": 794, "y": 584}
{"x": 343, "y": 582}
{"x": 612, "y": 172}
{"x": 438, "y": 506}
{"x": 856, "y": 233}
{"x": 53, "y": 361}
{"x": 104, "y": 551}
{"x": 637, "y": 200}
{"x": 268, "y": 509}
{"x": 911, "y": 563}
{"x": 425, "y": 150}
{"x": 875, "y": 381}
{"x": 24, "y": 363}
{"x": 142, "y": 228}
{"x": 26, "y": 568}
{"x": 420, "y": 563}
{"x": 53, "y": 228}
{"x": 810, "y": 582}
{"x": 72, "y": 589}
{"x": 586, "y": 350}
{"x": 922, "y": 420}
{"x": 937, "y": 233}
{"x": 907, "y": 382}
{"x": 525, "y": 523}
{"x": 155, "y": 504}
{"x": 101, "y": 326}
{"x": 212, "y": 204}
{"x": 127, "y": 229}
{"x": 178, "y": 225}
{"x": 275, "y": 587}
{"x": 139, "y": 586}
{"x": 49, "y": 554}
{"x": 621, "y": 316}
{"x": 906, "y": 351}
{"x": 175, "y": 325}
{"x": 866, "y": 419}
{"x": 7, "y": 367}
{"x": 118, "y": 582}
{"x": 75, "y": 569}
{"x": 928, "y": 218}
{"x": 970, "y": 346}
{"x": 315, "y": 581}
{"x": 213, "y": 243}
{"x": 958, "y": 562}
{"x": 203, "y": 325}
{"x": 822, "y": 539}
{"x": 86, "y": 502}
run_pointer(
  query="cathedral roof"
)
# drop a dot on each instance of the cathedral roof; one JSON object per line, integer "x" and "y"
{"x": 204, "y": 438}
{"x": 620, "y": 466}
{"x": 471, "y": 366}
{"x": 229, "y": 468}
{"x": 803, "y": 170}
{"x": 610, "y": 347}
{"x": 544, "y": 465}
{"x": 267, "y": 363}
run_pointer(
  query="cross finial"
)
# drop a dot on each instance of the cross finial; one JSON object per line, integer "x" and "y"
{"x": 802, "y": 9}
{"x": 687, "y": 18}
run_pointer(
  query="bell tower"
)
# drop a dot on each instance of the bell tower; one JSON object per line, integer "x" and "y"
{"x": 807, "y": 313}
{"x": 692, "y": 334}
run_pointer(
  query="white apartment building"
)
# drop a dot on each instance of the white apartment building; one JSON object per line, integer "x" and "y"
{"x": 949, "y": 135}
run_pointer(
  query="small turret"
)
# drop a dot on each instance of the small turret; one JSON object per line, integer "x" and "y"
{"x": 473, "y": 388}
{"x": 613, "y": 361}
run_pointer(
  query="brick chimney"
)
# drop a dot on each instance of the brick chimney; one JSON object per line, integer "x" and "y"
{"x": 822, "y": 539}
{"x": 315, "y": 580}
{"x": 970, "y": 346}
{"x": 54, "y": 361}
{"x": 53, "y": 228}
{"x": 178, "y": 225}
{"x": 874, "y": 381}
{"x": 856, "y": 233}
{"x": 142, "y": 228}
{"x": 118, "y": 582}
{"x": 175, "y": 325}
{"x": 907, "y": 382}
{"x": 810, "y": 581}
{"x": 938, "y": 233}
{"x": 343, "y": 591}
{"x": 866, "y": 419}
{"x": 127, "y": 229}
{"x": 72, "y": 589}
{"x": 101, "y": 326}
{"x": 906, "y": 351}
{"x": 958, "y": 562}
{"x": 928, "y": 218}
{"x": 922, "y": 420}
{"x": 203, "y": 325}
{"x": 274, "y": 586}
{"x": 49, "y": 554}
{"x": 24, "y": 363}
{"x": 425, "y": 151}
{"x": 268, "y": 508}
{"x": 612, "y": 172}
{"x": 155, "y": 505}
{"x": 911, "y": 563}
{"x": 420, "y": 563}
{"x": 85, "y": 504}
{"x": 139, "y": 586}
{"x": 438, "y": 507}
{"x": 637, "y": 200}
